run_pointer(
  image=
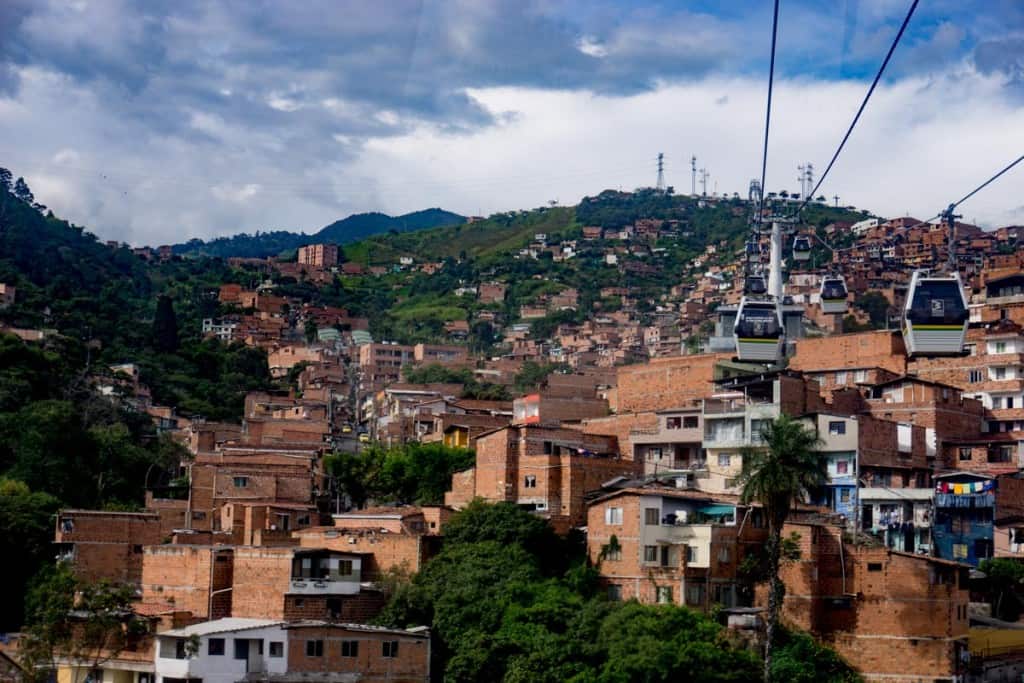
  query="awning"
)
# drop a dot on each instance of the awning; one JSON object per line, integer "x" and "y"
{"x": 886, "y": 493}
{"x": 717, "y": 510}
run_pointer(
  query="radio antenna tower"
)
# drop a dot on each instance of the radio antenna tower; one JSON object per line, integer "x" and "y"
{"x": 754, "y": 193}
{"x": 809, "y": 179}
{"x": 802, "y": 178}
{"x": 661, "y": 171}
{"x": 693, "y": 175}
{"x": 704, "y": 181}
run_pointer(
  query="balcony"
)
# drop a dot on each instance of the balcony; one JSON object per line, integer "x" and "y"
{"x": 665, "y": 435}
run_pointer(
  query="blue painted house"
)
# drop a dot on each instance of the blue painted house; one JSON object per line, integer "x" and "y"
{"x": 965, "y": 504}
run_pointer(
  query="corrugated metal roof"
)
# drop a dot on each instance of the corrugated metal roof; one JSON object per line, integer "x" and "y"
{"x": 221, "y": 626}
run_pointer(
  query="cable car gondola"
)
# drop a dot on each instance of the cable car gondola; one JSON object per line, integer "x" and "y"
{"x": 935, "y": 315}
{"x": 758, "y": 331}
{"x": 755, "y": 284}
{"x": 801, "y": 248}
{"x": 833, "y": 294}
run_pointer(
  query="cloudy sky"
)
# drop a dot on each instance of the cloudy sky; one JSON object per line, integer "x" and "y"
{"x": 155, "y": 122}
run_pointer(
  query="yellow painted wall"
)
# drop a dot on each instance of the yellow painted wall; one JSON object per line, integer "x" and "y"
{"x": 981, "y": 639}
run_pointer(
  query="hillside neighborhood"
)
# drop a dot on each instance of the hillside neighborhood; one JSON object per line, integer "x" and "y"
{"x": 608, "y": 412}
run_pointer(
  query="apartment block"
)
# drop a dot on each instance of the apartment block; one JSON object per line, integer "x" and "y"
{"x": 664, "y": 383}
{"x": 663, "y": 545}
{"x": 429, "y": 354}
{"x": 318, "y": 255}
{"x": 544, "y": 409}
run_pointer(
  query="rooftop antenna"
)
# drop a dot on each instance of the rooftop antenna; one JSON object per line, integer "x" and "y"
{"x": 693, "y": 175}
{"x": 661, "y": 172}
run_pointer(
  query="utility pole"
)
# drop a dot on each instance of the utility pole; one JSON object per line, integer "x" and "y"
{"x": 661, "y": 172}
{"x": 693, "y": 175}
{"x": 836, "y": 198}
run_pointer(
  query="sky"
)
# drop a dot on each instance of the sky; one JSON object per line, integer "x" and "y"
{"x": 156, "y": 122}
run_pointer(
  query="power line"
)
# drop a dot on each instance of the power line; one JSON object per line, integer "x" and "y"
{"x": 871, "y": 90}
{"x": 768, "y": 111}
{"x": 982, "y": 186}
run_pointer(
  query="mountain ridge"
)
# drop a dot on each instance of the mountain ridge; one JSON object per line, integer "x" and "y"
{"x": 343, "y": 231}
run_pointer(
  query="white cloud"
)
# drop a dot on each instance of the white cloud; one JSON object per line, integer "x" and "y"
{"x": 589, "y": 45}
{"x": 229, "y": 193}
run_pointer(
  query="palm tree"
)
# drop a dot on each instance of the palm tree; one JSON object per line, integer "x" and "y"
{"x": 786, "y": 467}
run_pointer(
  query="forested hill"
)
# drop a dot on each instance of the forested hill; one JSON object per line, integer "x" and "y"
{"x": 351, "y": 229}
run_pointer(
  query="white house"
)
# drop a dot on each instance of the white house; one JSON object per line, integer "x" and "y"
{"x": 221, "y": 651}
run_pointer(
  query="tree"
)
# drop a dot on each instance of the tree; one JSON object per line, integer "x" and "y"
{"x": 22, "y": 192}
{"x": 786, "y": 468}
{"x": 310, "y": 331}
{"x": 76, "y": 622}
{"x": 5, "y": 180}
{"x": 876, "y": 306}
{"x": 165, "y": 326}
{"x": 26, "y": 533}
{"x": 1004, "y": 583}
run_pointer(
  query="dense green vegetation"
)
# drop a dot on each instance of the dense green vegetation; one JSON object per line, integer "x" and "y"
{"x": 414, "y": 473}
{"x": 508, "y": 600}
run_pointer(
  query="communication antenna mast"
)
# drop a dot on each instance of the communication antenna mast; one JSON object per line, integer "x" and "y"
{"x": 836, "y": 198}
{"x": 754, "y": 193}
{"x": 704, "y": 182}
{"x": 802, "y": 178}
{"x": 693, "y": 175}
{"x": 809, "y": 172}
{"x": 661, "y": 171}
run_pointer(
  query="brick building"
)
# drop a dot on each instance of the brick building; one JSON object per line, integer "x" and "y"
{"x": 318, "y": 255}
{"x": 663, "y": 545}
{"x": 321, "y": 651}
{"x": 545, "y": 469}
{"x": 106, "y": 545}
{"x": 545, "y": 409}
{"x": 892, "y": 615}
{"x": 664, "y": 383}
{"x": 302, "y": 583}
{"x": 197, "y": 579}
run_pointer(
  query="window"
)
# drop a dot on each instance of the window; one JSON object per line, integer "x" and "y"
{"x": 613, "y": 516}
{"x": 723, "y": 555}
{"x": 837, "y": 427}
{"x": 691, "y": 554}
{"x": 965, "y": 453}
{"x": 530, "y": 481}
{"x": 303, "y": 520}
{"x": 874, "y": 566}
{"x": 691, "y": 422}
{"x": 999, "y": 373}
{"x": 215, "y": 646}
{"x": 654, "y": 453}
{"x": 1003, "y": 454}
{"x": 664, "y": 594}
{"x": 959, "y": 551}
{"x": 344, "y": 567}
{"x": 844, "y": 495}
{"x": 613, "y": 554}
{"x": 390, "y": 648}
{"x": 350, "y": 648}
{"x": 757, "y": 429}
{"x": 974, "y": 376}
{"x": 842, "y": 466}
{"x": 997, "y": 402}
{"x": 615, "y": 592}
{"x": 549, "y": 448}
{"x": 652, "y": 516}
{"x": 673, "y": 423}
{"x": 299, "y": 602}
{"x": 694, "y": 594}
{"x": 860, "y": 376}
{"x": 650, "y": 553}
{"x": 724, "y": 459}
{"x": 840, "y": 378}
{"x": 276, "y": 648}
{"x": 241, "y": 482}
{"x": 1000, "y": 347}
{"x": 314, "y": 648}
